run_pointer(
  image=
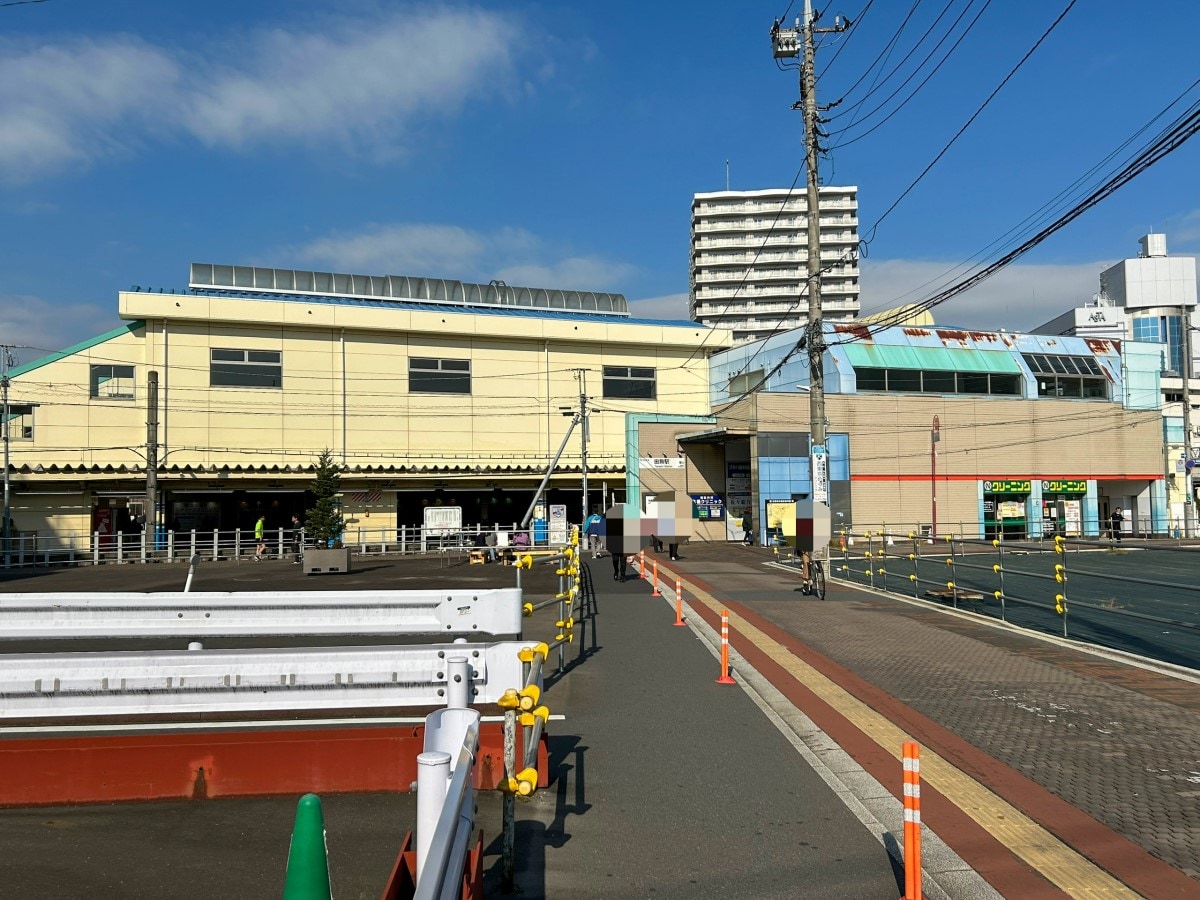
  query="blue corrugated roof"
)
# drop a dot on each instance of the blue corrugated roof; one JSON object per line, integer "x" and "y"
{"x": 563, "y": 315}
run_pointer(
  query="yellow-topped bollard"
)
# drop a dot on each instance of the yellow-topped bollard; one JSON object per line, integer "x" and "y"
{"x": 510, "y": 699}
{"x": 541, "y": 712}
{"x": 526, "y": 782}
{"x": 529, "y": 697}
{"x": 529, "y": 654}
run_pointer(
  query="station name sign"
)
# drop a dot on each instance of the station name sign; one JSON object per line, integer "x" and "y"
{"x": 1006, "y": 487}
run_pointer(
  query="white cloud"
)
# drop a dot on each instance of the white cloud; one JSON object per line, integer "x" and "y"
{"x": 1016, "y": 298}
{"x": 672, "y": 306}
{"x": 46, "y": 327}
{"x": 574, "y": 273}
{"x": 360, "y": 80}
{"x": 513, "y": 255}
{"x": 363, "y": 84}
{"x": 66, "y": 105}
{"x": 421, "y": 250}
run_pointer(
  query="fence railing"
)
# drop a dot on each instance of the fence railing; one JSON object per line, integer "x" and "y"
{"x": 30, "y": 548}
{"x": 1137, "y": 596}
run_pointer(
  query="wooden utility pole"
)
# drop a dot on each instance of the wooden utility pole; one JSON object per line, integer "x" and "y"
{"x": 787, "y": 43}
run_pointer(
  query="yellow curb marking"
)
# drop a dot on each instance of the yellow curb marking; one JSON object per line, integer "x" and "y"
{"x": 1058, "y": 863}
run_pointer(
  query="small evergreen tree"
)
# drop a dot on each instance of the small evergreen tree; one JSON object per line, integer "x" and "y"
{"x": 323, "y": 523}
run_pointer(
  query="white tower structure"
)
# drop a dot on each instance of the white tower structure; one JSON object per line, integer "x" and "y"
{"x": 749, "y": 259}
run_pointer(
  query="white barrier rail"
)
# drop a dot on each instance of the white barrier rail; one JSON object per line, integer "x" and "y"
{"x": 80, "y": 685}
{"x": 197, "y": 615}
{"x": 445, "y": 801}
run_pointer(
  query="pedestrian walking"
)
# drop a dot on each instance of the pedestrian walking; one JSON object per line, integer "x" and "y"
{"x": 620, "y": 565}
{"x": 1115, "y": 521}
{"x": 260, "y": 537}
{"x": 594, "y": 528}
{"x": 296, "y": 541}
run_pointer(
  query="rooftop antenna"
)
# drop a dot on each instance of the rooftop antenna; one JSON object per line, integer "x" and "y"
{"x": 726, "y": 174}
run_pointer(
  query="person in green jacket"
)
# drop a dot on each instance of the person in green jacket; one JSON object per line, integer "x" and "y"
{"x": 260, "y": 531}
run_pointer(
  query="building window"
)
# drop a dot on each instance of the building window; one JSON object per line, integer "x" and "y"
{"x": 918, "y": 381}
{"x": 439, "y": 376}
{"x": 112, "y": 382}
{"x": 1076, "y": 377}
{"x": 629, "y": 383}
{"x": 19, "y": 422}
{"x": 745, "y": 382}
{"x": 245, "y": 368}
{"x": 1162, "y": 330}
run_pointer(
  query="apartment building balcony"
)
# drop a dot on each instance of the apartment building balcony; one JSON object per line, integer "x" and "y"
{"x": 791, "y": 204}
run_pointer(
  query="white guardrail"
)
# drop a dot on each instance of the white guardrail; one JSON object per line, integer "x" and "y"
{"x": 78, "y": 685}
{"x": 198, "y": 615}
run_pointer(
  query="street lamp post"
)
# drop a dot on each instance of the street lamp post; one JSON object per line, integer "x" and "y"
{"x": 934, "y": 436}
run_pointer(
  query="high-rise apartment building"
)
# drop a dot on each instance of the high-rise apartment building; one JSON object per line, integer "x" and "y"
{"x": 749, "y": 259}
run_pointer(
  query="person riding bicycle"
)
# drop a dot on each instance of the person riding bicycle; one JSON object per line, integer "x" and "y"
{"x": 806, "y": 585}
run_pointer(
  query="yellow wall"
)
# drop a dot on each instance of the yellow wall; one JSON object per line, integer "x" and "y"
{"x": 521, "y": 374}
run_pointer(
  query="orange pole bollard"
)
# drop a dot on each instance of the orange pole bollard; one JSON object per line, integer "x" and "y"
{"x": 679, "y": 603}
{"x": 725, "y": 678}
{"x": 655, "y": 592}
{"x": 912, "y": 821}
{"x": 642, "y": 563}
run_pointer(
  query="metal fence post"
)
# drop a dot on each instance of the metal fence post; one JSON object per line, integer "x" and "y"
{"x": 999, "y": 570}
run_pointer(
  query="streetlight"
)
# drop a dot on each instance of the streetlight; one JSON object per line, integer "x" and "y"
{"x": 934, "y": 437}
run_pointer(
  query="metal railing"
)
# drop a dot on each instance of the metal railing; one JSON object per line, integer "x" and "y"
{"x": 1135, "y": 596}
{"x": 42, "y": 549}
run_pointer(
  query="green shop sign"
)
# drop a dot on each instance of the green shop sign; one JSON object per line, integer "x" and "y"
{"x": 1006, "y": 487}
{"x": 1064, "y": 486}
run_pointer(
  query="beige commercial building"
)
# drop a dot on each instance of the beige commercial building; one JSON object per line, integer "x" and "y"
{"x": 428, "y": 392}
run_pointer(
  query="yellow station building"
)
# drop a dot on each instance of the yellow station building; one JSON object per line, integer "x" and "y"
{"x": 428, "y": 392}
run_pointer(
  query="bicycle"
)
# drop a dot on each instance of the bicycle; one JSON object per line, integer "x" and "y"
{"x": 814, "y": 584}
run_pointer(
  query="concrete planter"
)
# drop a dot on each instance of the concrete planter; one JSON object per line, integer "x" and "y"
{"x": 324, "y": 560}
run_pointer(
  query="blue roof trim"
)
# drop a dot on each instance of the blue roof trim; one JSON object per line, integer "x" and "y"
{"x": 561, "y": 315}
{"x": 78, "y": 348}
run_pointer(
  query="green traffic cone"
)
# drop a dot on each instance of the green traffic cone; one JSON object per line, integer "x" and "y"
{"x": 307, "y": 866}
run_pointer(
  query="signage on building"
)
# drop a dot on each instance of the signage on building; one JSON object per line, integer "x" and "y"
{"x": 661, "y": 462}
{"x": 737, "y": 477}
{"x": 442, "y": 520}
{"x": 820, "y": 474}
{"x": 1011, "y": 509}
{"x": 558, "y": 523}
{"x": 708, "y": 506}
{"x": 995, "y": 486}
{"x": 1067, "y": 486}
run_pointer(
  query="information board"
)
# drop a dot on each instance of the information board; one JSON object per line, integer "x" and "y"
{"x": 708, "y": 507}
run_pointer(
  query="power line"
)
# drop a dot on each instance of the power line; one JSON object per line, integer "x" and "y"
{"x": 1013, "y": 71}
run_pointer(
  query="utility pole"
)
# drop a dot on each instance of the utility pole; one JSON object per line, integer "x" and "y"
{"x": 581, "y": 376}
{"x": 151, "y": 458}
{"x": 7, "y": 361}
{"x": 786, "y": 43}
{"x": 1190, "y": 500}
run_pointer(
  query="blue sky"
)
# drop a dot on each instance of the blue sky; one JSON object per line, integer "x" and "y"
{"x": 557, "y": 144}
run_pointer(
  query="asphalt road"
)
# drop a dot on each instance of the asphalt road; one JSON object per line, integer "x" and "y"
{"x": 1140, "y": 599}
